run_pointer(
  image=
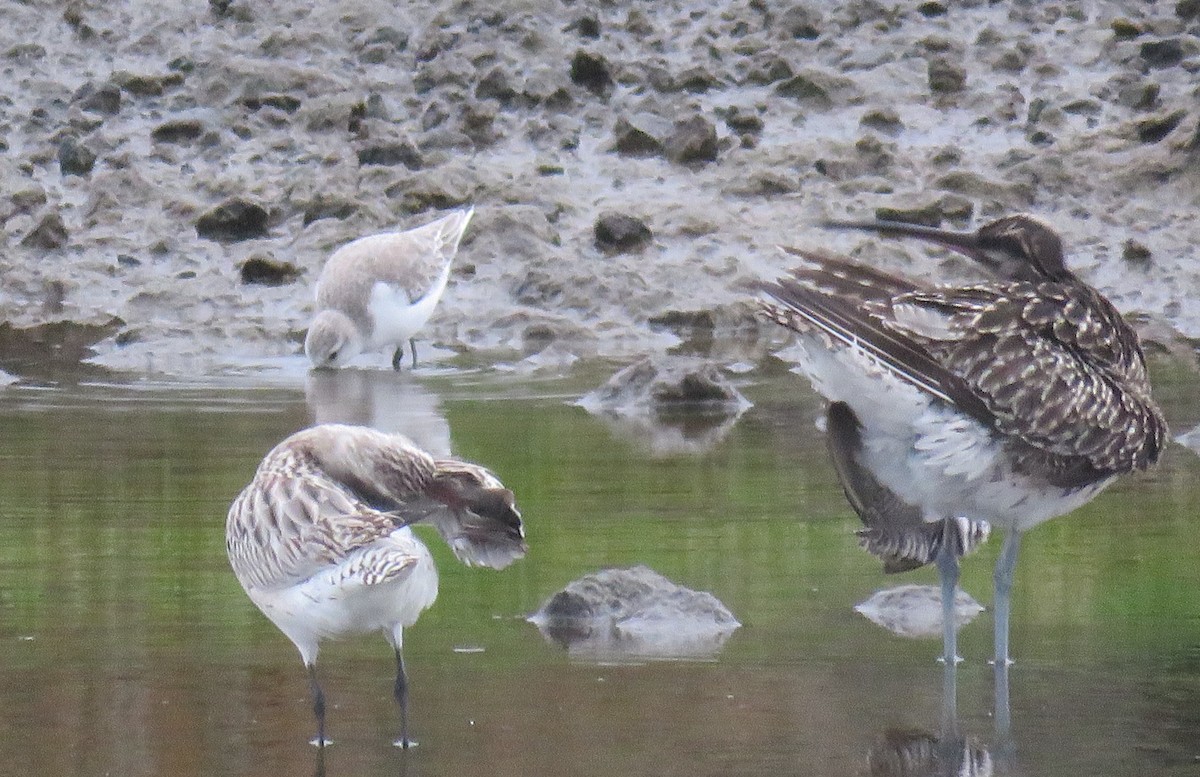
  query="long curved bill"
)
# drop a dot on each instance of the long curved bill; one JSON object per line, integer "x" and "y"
{"x": 966, "y": 243}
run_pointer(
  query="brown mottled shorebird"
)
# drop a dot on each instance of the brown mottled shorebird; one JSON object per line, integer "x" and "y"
{"x": 380, "y": 290}
{"x": 1002, "y": 403}
{"x": 320, "y": 539}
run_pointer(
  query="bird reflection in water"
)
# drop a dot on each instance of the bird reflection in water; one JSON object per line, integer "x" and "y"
{"x": 387, "y": 401}
{"x": 915, "y": 752}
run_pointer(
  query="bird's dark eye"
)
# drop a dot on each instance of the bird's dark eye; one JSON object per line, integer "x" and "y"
{"x": 333, "y": 356}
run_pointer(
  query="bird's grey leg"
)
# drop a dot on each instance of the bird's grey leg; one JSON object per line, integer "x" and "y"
{"x": 402, "y": 700}
{"x": 1006, "y": 564}
{"x": 412, "y": 343}
{"x": 398, "y": 358}
{"x": 947, "y": 566}
{"x": 318, "y": 697}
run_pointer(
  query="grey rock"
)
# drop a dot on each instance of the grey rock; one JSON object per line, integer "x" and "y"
{"x": 233, "y": 220}
{"x": 592, "y": 72}
{"x": 1155, "y": 128}
{"x": 178, "y": 131}
{"x": 104, "y": 99}
{"x": 693, "y": 140}
{"x": 664, "y": 385}
{"x": 391, "y": 154}
{"x": 74, "y": 158}
{"x": 1168, "y": 52}
{"x": 946, "y": 76}
{"x": 636, "y": 137}
{"x": 266, "y": 271}
{"x": 50, "y": 234}
{"x": 634, "y": 613}
{"x": 800, "y": 21}
{"x": 915, "y": 611}
{"x": 621, "y": 233}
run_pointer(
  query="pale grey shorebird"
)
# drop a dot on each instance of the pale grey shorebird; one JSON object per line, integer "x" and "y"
{"x": 1002, "y": 403}
{"x": 320, "y": 538}
{"x": 379, "y": 291}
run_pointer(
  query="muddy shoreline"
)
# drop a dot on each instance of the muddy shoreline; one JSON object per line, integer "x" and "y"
{"x": 152, "y": 150}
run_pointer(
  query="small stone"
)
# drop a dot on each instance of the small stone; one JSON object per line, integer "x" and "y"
{"x": 883, "y": 120}
{"x": 801, "y": 22}
{"x": 265, "y": 271}
{"x": 621, "y": 233}
{"x": 104, "y": 99}
{"x": 390, "y": 155}
{"x": 1136, "y": 253}
{"x": 742, "y": 122}
{"x": 50, "y": 234}
{"x": 1139, "y": 95}
{"x": 324, "y": 207}
{"x": 1163, "y": 53}
{"x": 946, "y": 76}
{"x": 74, "y": 158}
{"x": 1187, "y": 9}
{"x": 1155, "y": 128}
{"x": 27, "y": 200}
{"x": 146, "y": 86}
{"x": 1125, "y": 29}
{"x": 696, "y": 80}
{"x": 233, "y": 220}
{"x": 178, "y": 131}
{"x": 587, "y": 27}
{"x": 693, "y": 140}
{"x": 496, "y": 85}
{"x": 932, "y": 10}
{"x": 928, "y": 216}
{"x": 632, "y": 140}
{"x": 591, "y": 71}
{"x": 284, "y": 102}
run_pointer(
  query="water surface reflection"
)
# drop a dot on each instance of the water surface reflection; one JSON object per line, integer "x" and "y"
{"x": 129, "y": 648}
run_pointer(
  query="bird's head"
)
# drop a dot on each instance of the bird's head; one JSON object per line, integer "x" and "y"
{"x": 489, "y": 529}
{"x": 1013, "y": 248}
{"x": 332, "y": 340}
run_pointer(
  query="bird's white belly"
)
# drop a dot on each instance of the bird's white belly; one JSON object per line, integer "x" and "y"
{"x": 331, "y": 603}
{"x": 394, "y": 319}
{"x": 928, "y": 453}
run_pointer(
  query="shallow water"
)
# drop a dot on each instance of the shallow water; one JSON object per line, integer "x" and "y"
{"x": 130, "y": 649}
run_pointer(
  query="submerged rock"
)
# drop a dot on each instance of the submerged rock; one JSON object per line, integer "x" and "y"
{"x": 634, "y": 613}
{"x": 670, "y": 383}
{"x": 916, "y": 610}
{"x": 675, "y": 404}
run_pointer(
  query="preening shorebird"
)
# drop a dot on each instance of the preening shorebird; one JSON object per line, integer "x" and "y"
{"x": 320, "y": 538}
{"x": 1002, "y": 403}
{"x": 378, "y": 291}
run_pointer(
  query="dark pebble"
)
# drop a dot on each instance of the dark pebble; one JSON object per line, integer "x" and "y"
{"x": 178, "y": 131}
{"x": 591, "y": 71}
{"x": 632, "y": 140}
{"x": 233, "y": 220}
{"x": 49, "y": 234}
{"x": 693, "y": 140}
{"x": 1136, "y": 253}
{"x": 946, "y": 76}
{"x": 266, "y": 271}
{"x": 328, "y": 208}
{"x": 75, "y": 158}
{"x": 390, "y": 155}
{"x": 1163, "y": 53}
{"x": 105, "y": 98}
{"x": 621, "y": 233}
{"x": 1156, "y": 128}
